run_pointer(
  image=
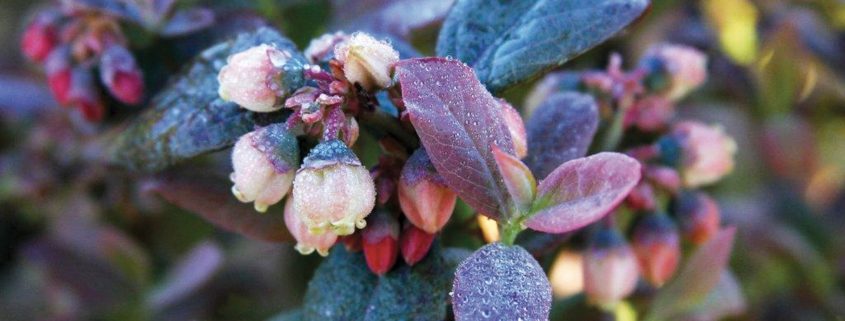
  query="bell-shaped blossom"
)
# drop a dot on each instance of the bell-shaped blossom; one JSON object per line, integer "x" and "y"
{"x": 306, "y": 242}
{"x": 675, "y": 70}
{"x": 264, "y": 163}
{"x": 706, "y": 152}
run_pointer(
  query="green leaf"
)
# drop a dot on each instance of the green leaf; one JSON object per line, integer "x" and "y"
{"x": 187, "y": 118}
{"x": 498, "y": 37}
{"x": 344, "y": 289}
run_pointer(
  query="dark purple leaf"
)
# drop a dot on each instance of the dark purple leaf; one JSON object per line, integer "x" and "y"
{"x": 458, "y": 122}
{"x": 500, "y": 282}
{"x": 397, "y": 17}
{"x": 560, "y": 130}
{"x": 187, "y": 20}
{"x": 213, "y": 200}
{"x": 194, "y": 271}
{"x": 582, "y": 191}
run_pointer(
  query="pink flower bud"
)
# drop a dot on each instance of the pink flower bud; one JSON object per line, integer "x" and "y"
{"x": 423, "y": 195}
{"x": 264, "y": 163}
{"x": 707, "y": 153}
{"x": 650, "y": 114}
{"x": 58, "y": 70}
{"x": 657, "y": 245}
{"x": 516, "y": 127}
{"x": 321, "y": 48}
{"x": 664, "y": 177}
{"x": 366, "y": 61}
{"x": 250, "y": 78}
{"x": 40, "y": 36}
{"x": 698, "y": 216}
{"x": 121, "y": 75}
{"x": 332, "y": 190}
{"x": 381, "y": 242}
{"x": 641, "y": 197}
{"x": 83, "y": 93}
{"x": 674, "y": 70}
{"x": 610, "y": 268}
{"x": 307, "y": 243}
{"x": 414, "y": 244}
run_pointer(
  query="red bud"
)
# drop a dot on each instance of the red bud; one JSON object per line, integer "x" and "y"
{"x": 657, "y": 245}
{"x": 423, "y": 195}
{"x": 698, "y": 216}
{"x": 120, "y": 74}
{"x": 83, "y": 94}
{"x": 39, "y": 38}
{"x": 381, "y": 242}
{"x": 59, "y": 83}
{"x": 641, "y": 197}
{"x": 414, "y": 244}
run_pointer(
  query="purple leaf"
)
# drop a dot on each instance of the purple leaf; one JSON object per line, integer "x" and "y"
{"x": 458, "y": 122}
{"x": 696, "y": 280}
{"x": 561, "y": 129}
{"x": 213, "y": 200}
{"x": 194, "y": 271}
{"x": 397, "y": 17}
{"x": 500, "y": 282}
{"x": 582, "y": 191}
{"x": 188, "y": 20}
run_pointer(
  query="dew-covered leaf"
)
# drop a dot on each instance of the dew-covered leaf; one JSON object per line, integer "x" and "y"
{"x": 397, "y": 17}
{"x": 696, "y": 280}
{"x": 344, "y": 289}
{"x": 500, "y": 282}
{"x": 189, "y": 275}
{"x": 510, "y": 41}
{"x": 187, "y": 118}
{"x": 582, "y": 191}
{"x": 458, "y": 122}
{"x": 212, "y": 200}
{"x": 560, "y": 130}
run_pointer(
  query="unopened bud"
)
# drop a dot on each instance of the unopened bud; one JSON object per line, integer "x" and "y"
{"x": 264, "y": 163}
{"x": 332, "y": 190}
{"x": 706, "y": 152}
{"x": 674, "y": 70}
{"x": 698, "y": 216}
{"x": 40, "y": 36}
{"x": 423, "y": 195}
{"x": 641, "y": 197}
{"x": 83, "y": 93}
{"x": 367, "y": 61}
{"x": 254, "y": 79}
{"x": 516, "y": 127}
{"x": 381, "y": 242}
{"x": 58, "y": 69}
{"x": 610, "y": 268}
{"x": 414, "y": 244}
{"x": 307, "y": 243}
{"x": 322, "y": 48}
{"x": 657, "y": 245}
{"x": 121, "y": 75}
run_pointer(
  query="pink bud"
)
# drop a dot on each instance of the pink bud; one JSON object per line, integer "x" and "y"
{"x": 332, "y": 190}
{"x": 641, "y": 197}
{"x": 121, "y": 75}
{"x": 707, "y": 153}
{"x": 40, "y": 37}
{"x": 610, "y": 268}
{"x": 249, "y": 78}
{"x": 414, "y": 244}
{"x": 58, "y": 70}
{"x": 423, "y": 195}
{"x": 516, "y": 127}
{"x": 321, "y": 48}
{"x": 366, "y": 61}
{"x": 664, "y": 177}
{"x": 698, "y": 216}
{"x": 684, "y": 69}
{"x": 657, "y": 245}
{"x": 650, "y": 114}
{"x": 306, "y": 243}
{"x": 264, "y": 163}
{"x": 83, "y": 93}
{"x": 381, "y": 242}
{"x": 519, "y": 181}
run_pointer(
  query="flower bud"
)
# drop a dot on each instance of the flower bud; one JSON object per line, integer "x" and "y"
{"x": 40, "y": 36}
{"x": 333, "y": 190}
{"x": 698, "y": 216}
{"x": 664, "y": 177}
{"x": 641, "y": 197}
{"x": 121, "y": 75}
{"x": 264, "y": 163}
{"x": 423, "y": 195}
{"x": 706, "y": 152}
{"x": 307, "y": 243}
{"x": 516, "y": 127}
{"x": 322, "y": 48}
{"x": 381, "y": 242}
{"x": 674, "y": 70}
{"x": 414, "y": 244}
{"x": 58, "y": 69}
{"x": 366, "y": 61}
{"x": 83, "y": 93}
{"x": 610, "y": 268}
{"x": 655, "y": 241}
{"x": 251, "y": 78}
{"x": 650, "y": 114}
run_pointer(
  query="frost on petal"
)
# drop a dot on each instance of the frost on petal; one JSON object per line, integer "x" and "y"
{"x": 367, "y": 61}
{"x": 246, "y": 79}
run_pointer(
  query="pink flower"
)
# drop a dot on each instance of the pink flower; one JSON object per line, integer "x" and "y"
{"x": 367, "y": 61}
{"x": 307, "y": 243}
{"x": 657, "y": 245}
{"x": 249, "y": 78}
{"x": 320, "y": 49}
{"x": 40, "y": 36}
{"x": 264, "y": 163}
{"x": 707, "y": 153}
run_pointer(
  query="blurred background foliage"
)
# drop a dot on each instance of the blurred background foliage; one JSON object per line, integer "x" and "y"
{"x": 81, "y": 241}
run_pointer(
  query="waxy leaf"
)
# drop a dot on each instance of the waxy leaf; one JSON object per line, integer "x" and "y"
{"x": 560, "y": 130}
{"x": 458, "y": 122}
{"x": 696, "y": 280}
{"x": 344, "y": 289}
{"x": 500, "y": 282}
{"x": 194, "y": 271}
{"x": 212, "y": 200}
{"x": 187, "y": 118}
{"x": 396, "y": 17}
{"x": 509, "y": 41}
{"x": 582, "y": 191}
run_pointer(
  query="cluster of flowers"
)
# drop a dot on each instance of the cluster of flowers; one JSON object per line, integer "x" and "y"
{"x": 70, "y": 42}
{"x": 684, "y": 156}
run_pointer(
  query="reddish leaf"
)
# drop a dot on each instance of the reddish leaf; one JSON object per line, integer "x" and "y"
{"x": 582, "y": 191}
{"x": 213, "y": 200}
{"x": 560, "y": 130}
{"x": 458, "y": 122}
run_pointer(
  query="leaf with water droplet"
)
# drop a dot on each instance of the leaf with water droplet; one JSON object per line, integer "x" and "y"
{"x": 500, "y": 282}
{"x": 187, "y": 118}
{"x": 508, "y": 42}
{"x": 443, "y": 116}
{"x": 561, "y": 129}
{"x": 582, "y": 191}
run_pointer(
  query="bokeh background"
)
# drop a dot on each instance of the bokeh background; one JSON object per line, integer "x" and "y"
{"x": 82, "y": 241}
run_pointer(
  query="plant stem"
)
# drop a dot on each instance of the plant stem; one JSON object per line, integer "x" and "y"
{"x": 509, "y": 230}
{"x": 613, "y": 135}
